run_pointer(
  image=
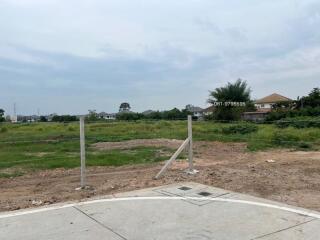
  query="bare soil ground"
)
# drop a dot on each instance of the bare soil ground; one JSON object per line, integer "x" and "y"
{"x": 292, "y": 177}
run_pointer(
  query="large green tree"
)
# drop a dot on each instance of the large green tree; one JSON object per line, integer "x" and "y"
{"x": 231, "y": 100}
{"x": 312, "y": 100}
{"x": 124, "y": 107}
{"x": 2, "y": 119}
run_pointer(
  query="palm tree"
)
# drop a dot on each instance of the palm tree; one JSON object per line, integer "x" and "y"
{"x": 233, "y": 92}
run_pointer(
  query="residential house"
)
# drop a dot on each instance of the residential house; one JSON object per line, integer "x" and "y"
{"x": 208, "y": 111}
{"x": 196, "y": 111}
{"x": 107, "y": 116}
{"x": 265, "y": 104}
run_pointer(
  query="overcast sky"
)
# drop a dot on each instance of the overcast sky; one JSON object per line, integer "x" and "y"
{"x": 68, "y": 56}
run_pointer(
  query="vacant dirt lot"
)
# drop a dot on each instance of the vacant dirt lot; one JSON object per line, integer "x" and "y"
{"x": 282, "y": 175}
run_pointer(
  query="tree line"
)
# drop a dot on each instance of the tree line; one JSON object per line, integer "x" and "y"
{"x": 237, "y": 92}
{"x": 174, "y": 114}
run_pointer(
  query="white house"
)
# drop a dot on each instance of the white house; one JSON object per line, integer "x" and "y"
{"x": 196, "y": 111}
{"x": 107, "y": 116}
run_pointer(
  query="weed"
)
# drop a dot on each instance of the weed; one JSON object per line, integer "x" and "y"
{"x": 240, "y": 129}
{"x": 3, "y": 130}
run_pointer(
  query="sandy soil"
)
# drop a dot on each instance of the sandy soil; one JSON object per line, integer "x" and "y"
{"x": 287, "y": 176}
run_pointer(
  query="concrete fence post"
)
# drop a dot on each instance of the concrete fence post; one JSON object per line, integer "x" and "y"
{"x": 187, "y": 144}
{"x": 82, "y": 153}
{"x": 191, "y": 169}
{"x": 190, "y": 152}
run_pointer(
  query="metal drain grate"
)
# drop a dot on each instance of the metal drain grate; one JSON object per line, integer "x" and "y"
{"x": 184, "y": 188}
{"x": 204, "y": 194}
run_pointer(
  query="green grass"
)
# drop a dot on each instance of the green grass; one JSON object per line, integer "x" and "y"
{"x": 29, "y": 147}
{"x": 11, "y": 175}
{"x": 29, "y": 159}
{"x": 133, "y": 156}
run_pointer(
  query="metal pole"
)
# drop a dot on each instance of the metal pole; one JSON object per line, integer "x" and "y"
{"x": 82, "y": 153}
{"x": 190, "y": 143}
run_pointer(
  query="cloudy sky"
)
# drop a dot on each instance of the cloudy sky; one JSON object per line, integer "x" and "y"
{"x": 70, "y": 56}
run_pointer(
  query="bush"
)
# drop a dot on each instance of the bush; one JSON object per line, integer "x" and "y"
{"x": 299, "y": 123}
{"x": 304, "y": 145}
{"x": 64, "y": 118}
{"x": 281, "y": 114}
{"x": 71, "y": 129}
{"x": 128, "y": 116}
{"x": 3, "y": 130}
{"x": 285, "y": 139}
{"x": 240, "y": 129}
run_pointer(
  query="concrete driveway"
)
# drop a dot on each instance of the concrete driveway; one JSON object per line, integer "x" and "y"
{"x": 180, "y": 211}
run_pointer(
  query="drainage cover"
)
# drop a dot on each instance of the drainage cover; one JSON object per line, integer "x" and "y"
{"x": 205, "y": 194}
{"x": 184, "y": 188}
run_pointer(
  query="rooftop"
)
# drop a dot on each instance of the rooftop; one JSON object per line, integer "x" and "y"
{"x": 273, "y": 98}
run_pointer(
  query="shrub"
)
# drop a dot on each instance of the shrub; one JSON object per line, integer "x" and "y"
{"x": 285, "y": 139}
{"x": 129, "y": 116}
{"x": 299, "y": 123}
{"x": 64, "y": 118}
{"x": 71, "y": 129}
{"x": 281, "y": 114}
{"x": 305, "y": 145}
{"x": 3, "y": 129}
{"x": 240, "y": 129}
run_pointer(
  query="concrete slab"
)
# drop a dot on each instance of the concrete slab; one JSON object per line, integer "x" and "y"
{"x": 170, "y": 212}
{"x": 65, "y": 223}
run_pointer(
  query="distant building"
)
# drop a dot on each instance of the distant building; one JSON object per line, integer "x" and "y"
{"x": 31, "y": 118}
{"x": 23, "y": 118}
{"x": 208, "y": 111}
{"x": 257, "y": 116}
{"x": 265, "y": 104}
{"x": 196, "y": 111}
{"x": 147, "y": 112}
{"x": 14, "y": 119}
{"x": 107, "y": 116}
{"x": 50, "y": 116}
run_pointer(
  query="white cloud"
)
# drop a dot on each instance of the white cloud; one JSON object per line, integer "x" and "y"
{"x": 145, "y": 46}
